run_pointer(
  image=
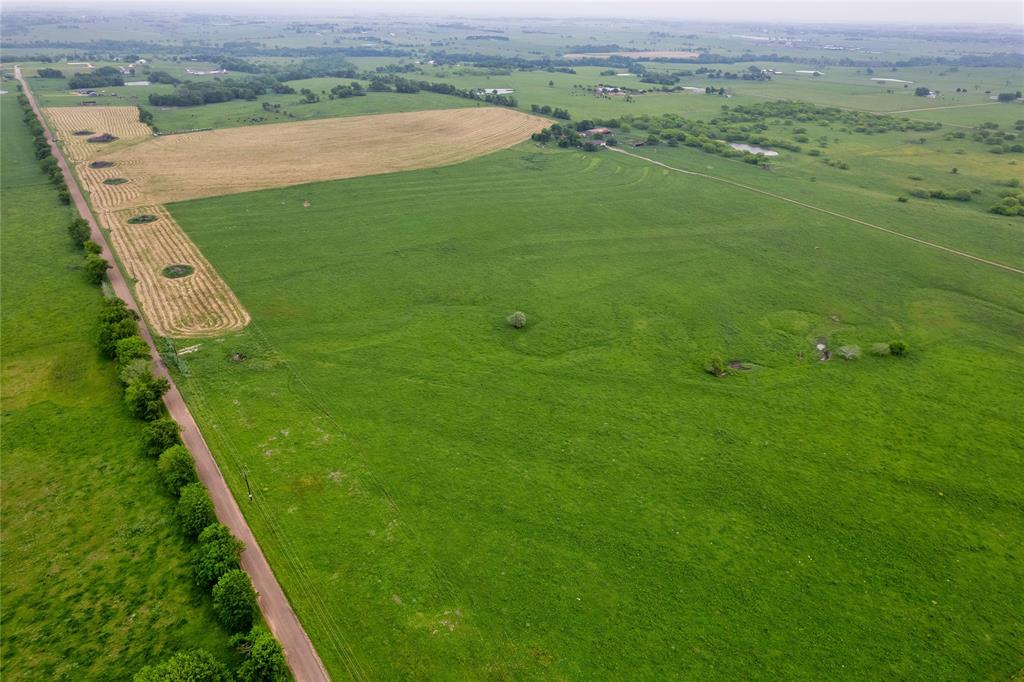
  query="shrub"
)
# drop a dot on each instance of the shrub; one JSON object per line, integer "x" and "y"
{"x": 264, "y": 658}
{"x": 143, "y": 396}
{"x": 79, "y": 231}
{"x": 160, "y": 434}
{"x": 716, "y": 366}
{"x": 902, "y": 199}
{"x": 176, "y": 468}
{"x": 517, "y": 319}
{"x": 195, "y": 509}
{"x": 849, "y": 352}
{"x": 216, "y": 554}
{"x": 64, "y": 196}
{"x": 132, "y": 370}
{"x": 234, "y": 601}
{"x": 880, "y": 349}
{"x": 130, "y": 348}
{"x": 95, "y": 268}
{"x": 898, "y": 348}
{"x": 187, "y": 666}
{"x": 89, "y": 246}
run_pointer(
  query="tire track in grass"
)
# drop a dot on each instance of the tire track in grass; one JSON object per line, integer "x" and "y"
{"x": 750, "y": 188}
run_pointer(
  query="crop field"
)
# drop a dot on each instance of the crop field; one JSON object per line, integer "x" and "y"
{"x": 461, "y": 499}
{"x": 122, "y": 122}
{"x": 199, "y": 304}
{"x": 225, "y": 161}
{"x": 95, "y": 576}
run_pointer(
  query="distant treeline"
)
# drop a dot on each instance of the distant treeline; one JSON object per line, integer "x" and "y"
{"x": 103, "y": 77}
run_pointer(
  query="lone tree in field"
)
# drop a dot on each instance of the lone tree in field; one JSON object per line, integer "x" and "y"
{"x": 716, "y": 366}
{"x": 899, "y": 347}
{"x": 234, "y": 601}
{"x": 517, "y": 319}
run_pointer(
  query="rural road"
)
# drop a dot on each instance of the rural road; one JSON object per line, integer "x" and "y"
{"x": 302, "y": 657}
{"x": 749, "y": 188}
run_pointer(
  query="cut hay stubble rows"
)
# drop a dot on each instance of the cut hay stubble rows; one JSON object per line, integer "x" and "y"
{"x": 200, "y": 304}
{"x": 122, "y": 122}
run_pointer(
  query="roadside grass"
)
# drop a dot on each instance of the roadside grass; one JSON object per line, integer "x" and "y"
{"x": 443, "y": 496}
{"x": 95, "y": 583}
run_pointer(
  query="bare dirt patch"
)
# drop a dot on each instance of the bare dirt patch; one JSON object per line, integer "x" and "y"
{"x": 184, "y": 304}
{"x": 232, "y": 160}
{"x": 121, "y": 123}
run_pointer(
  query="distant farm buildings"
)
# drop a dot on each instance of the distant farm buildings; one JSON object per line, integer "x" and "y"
{"x": 891, "y": 80}
{"x": 497, "y": 91}
{"x": 591, "y": 132}
{"x": 810, "y": 73}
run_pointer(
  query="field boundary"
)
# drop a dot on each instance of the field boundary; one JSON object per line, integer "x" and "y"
{"x": 750, "y": 188}
{"x": 277, "y": 611}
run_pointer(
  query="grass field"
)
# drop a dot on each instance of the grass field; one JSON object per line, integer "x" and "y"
{"x": 443, "y": 496}
{"x": 95, "y": 583}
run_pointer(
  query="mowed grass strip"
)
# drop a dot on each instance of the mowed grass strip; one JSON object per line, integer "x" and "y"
{"x": 240, "y": 159}
{"x": 449, "y": 497}
{"x": 95, "y": 581}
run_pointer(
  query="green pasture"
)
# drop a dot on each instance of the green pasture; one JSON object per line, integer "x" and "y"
{"x": 446, "y": 497}
{"x": 95, "y": 583}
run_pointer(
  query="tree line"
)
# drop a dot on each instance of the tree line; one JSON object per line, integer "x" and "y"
{"x": 214, "y": 559}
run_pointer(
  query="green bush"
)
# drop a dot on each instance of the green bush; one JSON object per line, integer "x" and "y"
{"x": 95, "y": 268}
{"x": 176, "y": 468}
{"x": 195, "y": 509}
{"x": 143, "y": 396}
{"x": 78, "y": 230}
{"x": 92, "y": 247}
{"x": 130, "y": 348}
{"x": 133, "y": 369}
{"x": 716, "y": 366}
{"x": 264, "y": 658}
{"x": 216, "y": 554}
{"x": 187, "y": 666}
{"x": 160, "y": 434}
{"x": 234, "y": 601}
{"x": 898, "y": 348}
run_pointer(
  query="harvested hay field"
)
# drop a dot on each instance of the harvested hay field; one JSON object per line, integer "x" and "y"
{"x": 233, "y": 160}
{"x": 121, "y": 122}
{"x": 106, "y": 195}
{"x": 192, "y": 304}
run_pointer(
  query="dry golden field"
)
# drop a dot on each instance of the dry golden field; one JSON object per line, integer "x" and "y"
{"x": 122, "y": 122}
{"x": 231, "y": 160}
{"x": 200, "y": 304}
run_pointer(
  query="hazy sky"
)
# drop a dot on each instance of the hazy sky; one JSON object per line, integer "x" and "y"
{"x": 846, "y": 11}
